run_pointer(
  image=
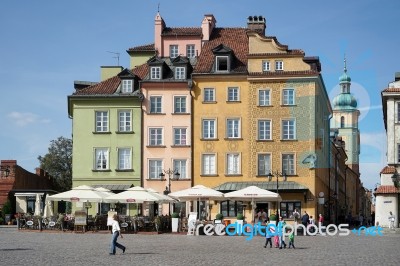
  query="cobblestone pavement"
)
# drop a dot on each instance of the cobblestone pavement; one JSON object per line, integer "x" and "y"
{"x": 57, "y": 248}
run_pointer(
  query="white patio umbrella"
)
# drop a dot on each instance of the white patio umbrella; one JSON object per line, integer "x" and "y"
{"x": 80, "y": 194}
{"x": 107, "y": 192}
{"x": 132, "y": 195}
{"x": 161, "y": 197}
{"x": 48, "y": 208}
{"x": 253, "y": 194}
{"x": 37, "y": 205}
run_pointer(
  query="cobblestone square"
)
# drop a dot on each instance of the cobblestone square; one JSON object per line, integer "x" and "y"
{"x": 57, "y": 248}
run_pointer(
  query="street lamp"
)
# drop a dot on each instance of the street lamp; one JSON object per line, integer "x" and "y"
{"x": 170, "y": 172}
{"x": 277, "y": 174}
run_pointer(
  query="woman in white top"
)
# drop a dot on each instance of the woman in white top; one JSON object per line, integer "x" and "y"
{"x": 116, "y": 231}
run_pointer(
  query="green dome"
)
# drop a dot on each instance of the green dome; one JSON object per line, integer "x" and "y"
{"x": 344, "y": 101}
{"x": 344, "y": 78}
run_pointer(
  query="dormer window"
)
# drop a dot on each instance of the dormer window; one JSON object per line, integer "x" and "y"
{"x": 173, "y": 51}
{"x": 127, "y": 86}
{"x": 180, "y": 73}
{"x": 222, "y": 63}
{"x": 155, "y": 73}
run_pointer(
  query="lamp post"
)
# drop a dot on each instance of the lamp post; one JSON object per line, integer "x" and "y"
{"x": 170, "y": 172}
{"x": 270, "y": 176}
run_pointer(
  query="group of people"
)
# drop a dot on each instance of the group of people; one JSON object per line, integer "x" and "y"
{"x": 279, "y": 239}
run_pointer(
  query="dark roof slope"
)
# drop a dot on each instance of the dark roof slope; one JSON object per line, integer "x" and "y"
{"x": 183, "y": 31}
{"x": 141, "y": 48}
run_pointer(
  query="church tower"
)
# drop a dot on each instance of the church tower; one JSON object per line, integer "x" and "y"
{"x": 345, "y": 120}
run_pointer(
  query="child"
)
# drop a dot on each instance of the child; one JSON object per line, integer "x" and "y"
{"x": 268, "y": 236}
{"x": 291, "y": 238}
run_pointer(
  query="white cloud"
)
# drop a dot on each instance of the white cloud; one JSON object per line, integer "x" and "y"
{"x": 23, "y": 119}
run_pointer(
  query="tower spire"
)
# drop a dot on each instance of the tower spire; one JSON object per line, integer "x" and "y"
{"x": 345, "y": 67}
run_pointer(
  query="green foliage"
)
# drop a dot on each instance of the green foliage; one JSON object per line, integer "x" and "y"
{"x": 240, "y": 216}
{"x": 219, "y": 216}
{"x": 7, "y": 208}
{"x": 272, "y": 217}
{"x": 175, "y": 215}
{"x": 58, "y": 163}
{"x": 1, "y": 220}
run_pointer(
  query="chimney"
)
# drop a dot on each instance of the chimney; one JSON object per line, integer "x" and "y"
{"x": 207, "y": 26}
{"x": 159, "y": 26}
{"x": 109, "y": 72}
{"x": 39, "y": 171}
{"x": 256, "y": 23}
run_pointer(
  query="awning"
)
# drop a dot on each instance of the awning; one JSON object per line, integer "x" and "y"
{"x": 113, "y": 187}
{"x": 284, "y": 186}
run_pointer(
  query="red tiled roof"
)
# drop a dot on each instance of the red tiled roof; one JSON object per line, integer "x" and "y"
{"x": 388, "y": 170}
{"x": 387, "y": 190}
{"x": 107, "y": 86}
{"x": 235, "y": 39}
{"x": 146, "y": 47}
{"x": 391, "y": 90}
{"x": 184, "y": 31}
{"x": 141, "y": 71}
{"x": 288, "y": 52}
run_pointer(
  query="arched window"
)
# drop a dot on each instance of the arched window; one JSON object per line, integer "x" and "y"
{"x": 342, "y": 122}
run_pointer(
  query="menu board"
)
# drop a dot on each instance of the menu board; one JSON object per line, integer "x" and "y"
{"x": 80, "y": 218}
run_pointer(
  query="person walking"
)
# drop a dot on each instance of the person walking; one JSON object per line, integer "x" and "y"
{"x": 281, "y": 233}
{"x": 291, "y": 238}
{"x": 116, "y": 231}
{"x": 268, "y": 237}
{"x": 311, "y": 224}
{"x": 304, "y": 220}
{"x": 391, "y": 220}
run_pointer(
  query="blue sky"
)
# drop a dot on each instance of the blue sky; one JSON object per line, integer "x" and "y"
{"x": 46, "y": 45}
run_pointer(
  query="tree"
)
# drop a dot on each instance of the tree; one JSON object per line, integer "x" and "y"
{"x": 58, "y": 163}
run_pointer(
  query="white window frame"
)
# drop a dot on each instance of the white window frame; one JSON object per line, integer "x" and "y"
{"x": 278, "y": 65}
{"x": 155, "y": 104}
{"x": 264, "y": 164}
{"x": 101, "y": 159}
{"x": 155, "y": 168}
{"x": 127, "y": 86}
{"x": 233, "y": 165}
{"x": 156, "y": 136}
{"x": 233, "y": 128}
{"x": 101, "y": 121}
{"x": 266, "y": 65}
{"x": 173, "y": 50}
{"x": 289, "y": 163}
{"x": 190, "y": 50}
{"x": 264, "y": 129}
{"x": 180, "y": 136}
{"x": 209, "y": 94}
{"x": 209, "y": 128}
{"x": 155, "y": 72}
{"x": 181, "y": 166}
{"x": 264, "y": 97}
{"x": 209, "y": 164}
{"x": 233, "y": 94}
{"x": 180, "y": 105}
{"x": 124, "y": 158}
{"x": 124, "y": 121}
{"x": 288, "y": 96}
{"x": 218, "y": 61}
{"x": 180, "y": 72}
{"x": 288, "y": 129}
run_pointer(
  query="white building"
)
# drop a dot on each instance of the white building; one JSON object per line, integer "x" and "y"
{"x": 387, "y": 194}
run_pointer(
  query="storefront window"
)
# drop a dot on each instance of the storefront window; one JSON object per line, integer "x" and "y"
{"x": 287, "y": 209}
{"x": 231, "y": 208}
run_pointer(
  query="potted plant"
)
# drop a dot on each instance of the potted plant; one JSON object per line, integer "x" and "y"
{"x": 272, "y": 218}
{"x": 175, "y": 222}
{"x": 239, "y": 221}
{"x": 218, "y": 218}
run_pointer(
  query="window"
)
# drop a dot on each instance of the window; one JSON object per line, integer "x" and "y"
{"x": 209, "y": 129}
{"x": 101, "y": 159}
{"x": 180, "y": 104}
{"x": 180, "y": 165}
{"x": 127, "y": 86}
{"x": 124, "y": 121}
{"x": 264, "y": 97}
{"x": 155, "y": 73}
{"x": 287, "y": 209}
{"x": 264, "y": 164}
{"x": 190, "y": 50}
{"x": 288, "y": 97}
{"x": 278, "y": 65}
{"x": 155, "y": 136}
{"x": 101, "y": 121}
{"x": 266, "y": 66}
{"x": 180, "y": 73}
{"x": 230, "y": 208}
{"x": 124, "y": 158}
{"x": 209, "y": 95}
{"x": 180, "y": 136}
{"x": 233, "y": 94}
{"x": 342, "y": 122}
{"x": 155, "y": 104}
{"x": 173, "y": 51}
{"x": 288, "y": 129}
{"x": 208, "y": 164}
{"x": 233, "y": 164}
{"x": 222, "y": 63}
{"x": 288, "y": 164}
{"x": 264, "y": 129}
{"x": 155, "y": 169}
{"x": 233, "y": 128}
